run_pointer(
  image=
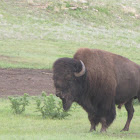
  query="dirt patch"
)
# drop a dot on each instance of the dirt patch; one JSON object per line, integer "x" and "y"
{"x": 20, "y": 81}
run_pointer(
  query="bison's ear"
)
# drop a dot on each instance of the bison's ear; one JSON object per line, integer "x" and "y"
{"x": 79, "y": 69}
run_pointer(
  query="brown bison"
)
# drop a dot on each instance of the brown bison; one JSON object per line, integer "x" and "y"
{"x": 97, "y": 80}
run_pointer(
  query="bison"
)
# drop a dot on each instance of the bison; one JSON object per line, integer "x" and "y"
{"x": 97, "y": 80}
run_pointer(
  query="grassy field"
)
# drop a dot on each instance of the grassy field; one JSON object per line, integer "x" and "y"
{"x": 32, "y": 36}
{"x": 31, "y": 126}
{"x": 35, "y": 35}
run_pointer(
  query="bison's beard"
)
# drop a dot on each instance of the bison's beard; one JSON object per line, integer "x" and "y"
{"x": 66, "y": 104}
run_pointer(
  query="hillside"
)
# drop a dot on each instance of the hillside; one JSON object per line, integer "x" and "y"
{"x": 33, "y": 34}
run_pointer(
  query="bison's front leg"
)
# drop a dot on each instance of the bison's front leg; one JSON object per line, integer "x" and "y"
{"x": 93, "y": 121}
{"x": 104, "y": 125}
{"x": 107, "y": 117}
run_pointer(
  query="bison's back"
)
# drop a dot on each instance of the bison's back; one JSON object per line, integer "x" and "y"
{"x": 100, "y": 71}
{"x": 108, "y": 72}
{"x": 128, "y": 79}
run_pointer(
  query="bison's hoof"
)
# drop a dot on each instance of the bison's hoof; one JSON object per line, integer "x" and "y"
{"x": 103, "y": 130}
{"x": 92, "y": 129}
{"x": 125, "y": 129}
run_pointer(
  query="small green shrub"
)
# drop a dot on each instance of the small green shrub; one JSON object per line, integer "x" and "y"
{"x": 50, "y": 107}
{"x": 19, "y": 103}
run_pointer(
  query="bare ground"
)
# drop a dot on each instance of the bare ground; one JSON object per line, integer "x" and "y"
{"x": 20, "y": 81}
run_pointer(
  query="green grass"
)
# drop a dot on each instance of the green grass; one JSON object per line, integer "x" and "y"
{"x": 42, "y": 53}
{"x": 31, "y": 37}
{"x": 31, "y": 126}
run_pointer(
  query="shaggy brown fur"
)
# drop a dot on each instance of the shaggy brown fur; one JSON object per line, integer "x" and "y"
{"x": 109, "y": 79}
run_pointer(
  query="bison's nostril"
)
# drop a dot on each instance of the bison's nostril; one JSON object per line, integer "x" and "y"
{"x": 58, "y": 93}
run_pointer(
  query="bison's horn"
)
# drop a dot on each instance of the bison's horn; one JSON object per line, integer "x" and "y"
{"x": 82, "y": 72}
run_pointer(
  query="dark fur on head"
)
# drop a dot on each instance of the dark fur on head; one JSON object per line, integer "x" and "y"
{"x": 68, "y": 86}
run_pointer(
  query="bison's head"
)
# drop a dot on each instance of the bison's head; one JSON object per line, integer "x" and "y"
{"x": 66, "y": 74}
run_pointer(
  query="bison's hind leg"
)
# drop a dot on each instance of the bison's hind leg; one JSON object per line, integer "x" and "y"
{"x": 130, "y": 112}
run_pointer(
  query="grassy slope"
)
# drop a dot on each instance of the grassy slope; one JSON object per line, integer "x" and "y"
{"x": 31, "y": 37}
{"x": 31, "y": 126}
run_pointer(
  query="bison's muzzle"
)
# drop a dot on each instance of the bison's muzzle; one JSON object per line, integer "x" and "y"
{"x": 66, "y": 100}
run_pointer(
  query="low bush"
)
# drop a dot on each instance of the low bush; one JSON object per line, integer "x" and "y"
{"x": 19, "y": 103}
{"x": 50, "y": 107}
